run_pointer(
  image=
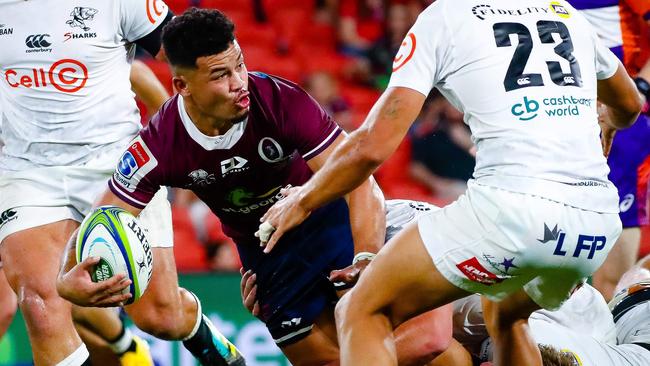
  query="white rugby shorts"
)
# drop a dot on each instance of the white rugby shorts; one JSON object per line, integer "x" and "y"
{"x": 494, "y": 242}
{"x": 42, "y": 196}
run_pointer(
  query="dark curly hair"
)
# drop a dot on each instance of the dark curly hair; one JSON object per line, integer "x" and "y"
{"x": 196, "y": 33}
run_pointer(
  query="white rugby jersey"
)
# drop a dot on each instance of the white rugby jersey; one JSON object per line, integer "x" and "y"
{"x": 65, "y": 78}
{"x": 587, "y": 350}
{"x": 524, "y": 74}
{"x": 586, "y": 312}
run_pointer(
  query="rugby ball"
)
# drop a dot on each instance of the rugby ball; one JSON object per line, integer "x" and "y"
{"x": 120, "y": 241}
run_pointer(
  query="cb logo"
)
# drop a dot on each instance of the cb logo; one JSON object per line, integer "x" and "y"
{"x": 37, "y": 41}
{"x": 526, "y": 110}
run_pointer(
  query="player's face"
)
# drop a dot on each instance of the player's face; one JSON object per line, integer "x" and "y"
{"x": 219, "y": 85}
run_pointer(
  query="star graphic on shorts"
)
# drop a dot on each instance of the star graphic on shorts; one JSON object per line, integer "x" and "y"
{"x": 549, "y": 234}
{"x": 508, "y": 263}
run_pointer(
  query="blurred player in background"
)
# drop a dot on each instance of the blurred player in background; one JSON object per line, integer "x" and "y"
{"x": 573, "y": 335}
{"x": 623, "y": 27}
{"x": 68, "y": 112}
{"x": 236, "y": 139}
{"x": 540, "y": 214}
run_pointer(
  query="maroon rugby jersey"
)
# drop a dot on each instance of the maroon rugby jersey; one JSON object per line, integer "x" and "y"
{"x": 239, "y": 174}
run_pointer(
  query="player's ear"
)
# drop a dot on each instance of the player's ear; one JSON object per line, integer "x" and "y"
{"x": 180, "y": 85}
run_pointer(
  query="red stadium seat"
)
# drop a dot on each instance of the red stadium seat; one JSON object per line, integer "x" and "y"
{"x": 361, "y": 98}
{"x": 393, "y": 178}
{"x": 189, "y": 252}
{"x": 179, "y": 6}
{"x": 162, "y": 72}
{"x": 228, "y": 6}
{"x": 258, "y": 35}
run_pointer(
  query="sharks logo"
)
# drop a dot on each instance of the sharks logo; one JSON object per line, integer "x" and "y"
{"x": 80, "y": 15}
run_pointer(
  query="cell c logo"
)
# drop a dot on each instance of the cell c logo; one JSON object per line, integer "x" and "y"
{"x": 152, "y": 7}
{"x": 405, "y": 52}
{"x": 64, "y": 75}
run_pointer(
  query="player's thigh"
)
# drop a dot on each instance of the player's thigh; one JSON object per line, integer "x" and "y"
{"x": 319, "y": 347}
{"x": 402, "y": 281}
{"x": 624, "y": 253}
{"x": 43, "y": 245}
{"x": 620, "y": 259}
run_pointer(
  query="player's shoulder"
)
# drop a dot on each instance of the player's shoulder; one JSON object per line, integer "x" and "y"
{"x": 264, "y": 84}
{"x": 161, "y": 126}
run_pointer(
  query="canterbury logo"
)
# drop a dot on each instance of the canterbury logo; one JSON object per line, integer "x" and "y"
{"x": 37, "y": 41}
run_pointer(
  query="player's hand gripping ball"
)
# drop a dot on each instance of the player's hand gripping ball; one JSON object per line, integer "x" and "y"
{"x": 119, "y": 240}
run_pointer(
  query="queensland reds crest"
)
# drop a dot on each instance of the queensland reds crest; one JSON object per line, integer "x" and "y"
{"x": 270, "y": 150}
{"x": 405, "y": 52}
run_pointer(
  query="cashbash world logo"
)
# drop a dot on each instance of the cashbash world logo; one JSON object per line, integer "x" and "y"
{"x": 562, "y": 106}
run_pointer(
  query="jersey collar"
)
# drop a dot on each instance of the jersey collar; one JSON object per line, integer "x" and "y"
{"x": 225, "y": 141}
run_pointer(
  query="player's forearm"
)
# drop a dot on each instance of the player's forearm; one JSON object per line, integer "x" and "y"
{"x": 367, "y": 217}
{"x": 345, "y": 170}
{"x": 366, "y": 148}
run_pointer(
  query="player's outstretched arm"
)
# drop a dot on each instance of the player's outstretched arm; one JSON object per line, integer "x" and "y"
{"x": 74, "y": 283}
{"x": 352, "y": 162}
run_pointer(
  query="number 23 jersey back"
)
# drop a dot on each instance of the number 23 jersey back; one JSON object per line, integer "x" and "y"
{"x": 524, "y": 73}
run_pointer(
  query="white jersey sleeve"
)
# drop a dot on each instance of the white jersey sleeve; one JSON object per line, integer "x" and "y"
{"x": 606, "y": 62}
{"x": 140, "y": 17}
{"x": 424, "y": 56}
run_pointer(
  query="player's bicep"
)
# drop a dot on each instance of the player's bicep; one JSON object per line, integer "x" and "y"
{"x": 389, "y": 121}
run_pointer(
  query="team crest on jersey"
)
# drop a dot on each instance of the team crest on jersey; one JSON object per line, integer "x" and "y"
{"x": 560, "y": 10}
{"x": 270, "y": 150}
{"x": 80, "y": 17}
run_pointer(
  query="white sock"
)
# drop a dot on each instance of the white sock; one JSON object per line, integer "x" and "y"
{"x": 76, "y": 358}
{"x": 199, "y": 318}
{"x": 121, "y": 345}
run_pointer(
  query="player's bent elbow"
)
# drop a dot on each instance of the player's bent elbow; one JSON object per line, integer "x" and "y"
{"x": 630, "y": 110}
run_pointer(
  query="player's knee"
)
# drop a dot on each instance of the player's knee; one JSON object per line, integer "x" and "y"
{"x": 159, "y": 318}
{"x": 345, "y": 311}
{"x": 432, "y": 345}
{"x": 43, "y": 309}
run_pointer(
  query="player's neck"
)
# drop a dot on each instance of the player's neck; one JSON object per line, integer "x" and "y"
{"x": 206, "y": 124}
